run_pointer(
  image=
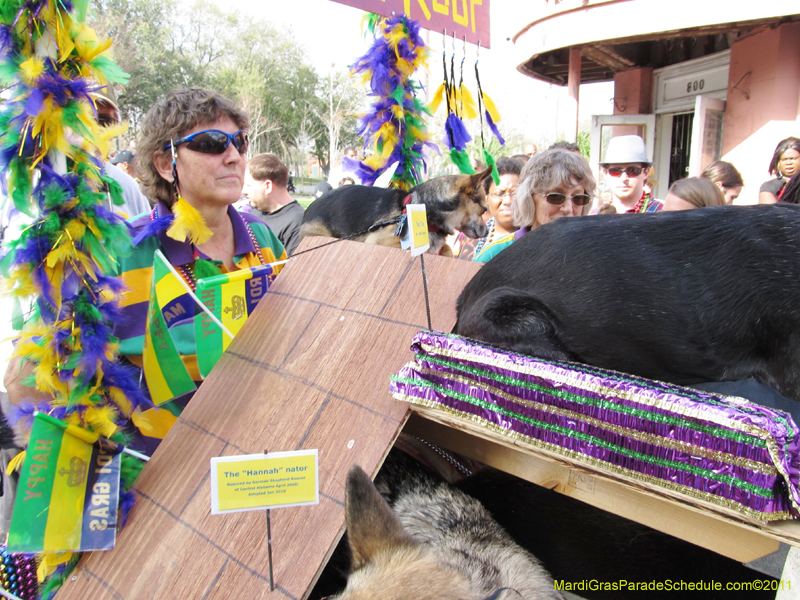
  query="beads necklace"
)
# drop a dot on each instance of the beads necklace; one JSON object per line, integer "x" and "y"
{"x": 187, "y": 270}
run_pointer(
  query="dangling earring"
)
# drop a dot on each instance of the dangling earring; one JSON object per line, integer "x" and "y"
{"x": 188, "y": 222}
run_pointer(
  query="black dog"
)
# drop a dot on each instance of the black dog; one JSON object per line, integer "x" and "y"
{"x": 685, "y": 297}
{"x": 453, "y": 202}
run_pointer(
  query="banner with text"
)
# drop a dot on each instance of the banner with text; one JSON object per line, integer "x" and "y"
{"x": 68, "y": 491}
{"x": 465, "y": 18}
{"x": 231, "y": 297}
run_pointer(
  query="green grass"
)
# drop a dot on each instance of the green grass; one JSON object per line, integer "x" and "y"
{"x": 304, "y": 201}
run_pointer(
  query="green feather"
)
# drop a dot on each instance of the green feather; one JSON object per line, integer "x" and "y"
{"x": 17, "y": 319}
{"x": 110, "y": 70}
{"x": 53, "y": 583}
{"x": 461, "y": 160}
{"x": 79, "y": 8}
{"x": 115, "y": 189}
{"x": 490, "y": 162}
{"x": 19, "y": 179}
{"x": 129, "y": 469}
{"x": 205, "y": 268}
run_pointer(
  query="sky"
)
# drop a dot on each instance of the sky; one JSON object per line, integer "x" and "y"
{"x": 331, "y": 35}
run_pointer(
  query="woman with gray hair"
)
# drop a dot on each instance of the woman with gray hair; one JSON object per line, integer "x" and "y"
{"x": 554, "y": 184}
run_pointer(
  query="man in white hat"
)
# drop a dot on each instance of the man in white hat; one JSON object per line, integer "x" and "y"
{"x": 627, "y": 166}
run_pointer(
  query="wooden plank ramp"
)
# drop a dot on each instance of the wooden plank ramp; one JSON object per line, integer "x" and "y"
{"x": 309, "y": 370}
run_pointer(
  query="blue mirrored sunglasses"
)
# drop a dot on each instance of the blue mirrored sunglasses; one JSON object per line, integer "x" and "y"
{"x": 213, "y": 141}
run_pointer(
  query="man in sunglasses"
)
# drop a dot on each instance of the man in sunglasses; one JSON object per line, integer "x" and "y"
{"x": 266, "y": 188}
{"x": 626, "y": 166}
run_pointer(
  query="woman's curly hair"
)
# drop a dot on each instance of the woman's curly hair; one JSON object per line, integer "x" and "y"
{"x": 179, "y": 111}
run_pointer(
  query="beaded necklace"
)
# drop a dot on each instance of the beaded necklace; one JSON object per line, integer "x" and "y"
{"x": 642, "y": 205}
{"x": 187, "y": 270}
{"x": 486, "y": 240}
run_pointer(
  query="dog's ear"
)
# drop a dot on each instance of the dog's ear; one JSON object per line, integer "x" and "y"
{"x": 372, "y": 526}
{"x": 478, "y": 178}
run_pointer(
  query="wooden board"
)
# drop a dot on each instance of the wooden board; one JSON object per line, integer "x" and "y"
{"x": 309, "y": 370}
{"x": 726, "y": 532}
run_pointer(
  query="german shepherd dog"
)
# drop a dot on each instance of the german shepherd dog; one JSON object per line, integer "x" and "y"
{"x": 453, "y": 202}
{"x": 702, "y": 295}
{"x": 433, "y": 543}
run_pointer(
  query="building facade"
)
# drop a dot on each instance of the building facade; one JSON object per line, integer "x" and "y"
{"x": 700, "y": 80}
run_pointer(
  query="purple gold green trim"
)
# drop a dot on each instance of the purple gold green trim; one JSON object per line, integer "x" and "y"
{"x": 720, "y": 449}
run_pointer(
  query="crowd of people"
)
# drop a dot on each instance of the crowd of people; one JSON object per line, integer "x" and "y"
{"x": 559, "y": 183}
{"x": 191, "y": 193}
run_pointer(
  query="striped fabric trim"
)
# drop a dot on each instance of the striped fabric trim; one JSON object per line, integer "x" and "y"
{"x": 719, "y": 449}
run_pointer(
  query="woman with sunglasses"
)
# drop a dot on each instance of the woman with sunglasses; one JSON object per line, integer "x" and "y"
{"x": 554, "y": 184}
{"x": 192, "y": 159}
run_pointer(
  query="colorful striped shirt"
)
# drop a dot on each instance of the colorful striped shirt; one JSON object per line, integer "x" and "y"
{"x": 136, "y": 271}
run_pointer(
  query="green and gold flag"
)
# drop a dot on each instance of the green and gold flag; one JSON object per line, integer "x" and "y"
{"x": 231, "y": 297}
{"x": 164, "y": 370}
{"x": 68, "y": 491}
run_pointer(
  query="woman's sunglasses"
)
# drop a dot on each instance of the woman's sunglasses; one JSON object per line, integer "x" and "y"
{"x": 213, "y": 141}
{"x": 558, "y": 199}
{"x": 631, "y": 171}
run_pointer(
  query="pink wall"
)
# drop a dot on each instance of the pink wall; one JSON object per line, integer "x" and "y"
{"x": 633, "y": 92}
{"x": 766, "y": 66}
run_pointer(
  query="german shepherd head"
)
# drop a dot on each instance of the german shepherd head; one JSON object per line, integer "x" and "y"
{"x": 438, "y": 544}
{"x": 452, "y": 202}
{"x": 455, "y": 202}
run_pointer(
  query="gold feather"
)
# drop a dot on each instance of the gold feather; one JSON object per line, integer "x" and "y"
{"x": 188, "y": 223}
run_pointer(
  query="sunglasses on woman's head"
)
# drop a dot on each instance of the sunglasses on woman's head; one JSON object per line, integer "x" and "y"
{"x": 213, "y": 141}
{"x": 558, "y": 199}
{"x": 631, "y": 171}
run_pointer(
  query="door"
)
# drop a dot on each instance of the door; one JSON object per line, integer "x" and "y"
{"x": 706, "y": 142}
{"x": 604, "y": 127}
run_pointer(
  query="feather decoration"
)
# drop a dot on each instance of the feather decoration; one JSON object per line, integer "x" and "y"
{"x": 205, "y": 268}
{"x": 491, "y": 109}
{"x": 394, "y": 128}
{"x": 492, "y": 116}
{"x": 494, "y": 129}
{"x": 491, "y": 162}
{"x": 154, "y": 227}
{"x": 438, "y": 97}
{"x": 466, "y": 103}
{"x": 461, "y": 160}
{"x": 188, "y": 223}
{"x": 64, "y": 261}
{"x": 15, "y": 464}
{"x": 126, "y": 502}
{"x": 456, "y": 135}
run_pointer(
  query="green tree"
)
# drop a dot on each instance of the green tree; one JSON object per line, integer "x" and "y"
{"x": 146, "y": 47}
{"x": 293, "y": 111}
